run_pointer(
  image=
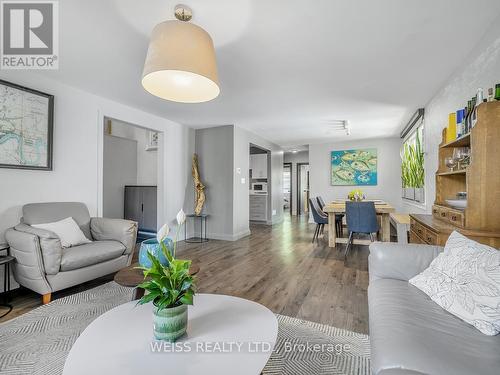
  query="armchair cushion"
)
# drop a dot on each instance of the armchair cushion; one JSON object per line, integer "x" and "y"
{"x": 67, "y": 230}
{"x": 50, "y": 246}
{"x": 124, "y": 231}
{"x": 89, "y": 254}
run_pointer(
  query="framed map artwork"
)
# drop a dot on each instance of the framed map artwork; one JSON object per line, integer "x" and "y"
{"x": 26, "y": 127}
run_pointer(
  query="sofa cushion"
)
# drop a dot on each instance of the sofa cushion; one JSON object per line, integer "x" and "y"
{"x": 408, "y": 331}
{"x": 89, "y": 254}
{"x": 465, "y": 280}
{"x": 67, "y": 230}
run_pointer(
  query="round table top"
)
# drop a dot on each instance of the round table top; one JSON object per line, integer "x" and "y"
{"x": 225, "y": 335}
{"x": 131, "y": 276}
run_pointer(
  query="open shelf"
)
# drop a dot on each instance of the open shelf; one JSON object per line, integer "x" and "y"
{"x": 463, "y": 141}
{"x": 449, "y": 173}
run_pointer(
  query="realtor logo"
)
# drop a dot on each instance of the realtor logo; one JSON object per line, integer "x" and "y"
{"x": 30, "y": 34}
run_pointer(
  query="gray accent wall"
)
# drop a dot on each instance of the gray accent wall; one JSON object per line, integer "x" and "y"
{"x": 224, "y": 157}
{"x": 214, "y": 147}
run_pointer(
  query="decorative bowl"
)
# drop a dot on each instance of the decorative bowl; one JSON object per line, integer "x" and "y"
{"x": 459, "y": 204}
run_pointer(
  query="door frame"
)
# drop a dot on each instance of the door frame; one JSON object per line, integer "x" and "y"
{"x": 290, "y": 164}
{"x": 299, "y": 188}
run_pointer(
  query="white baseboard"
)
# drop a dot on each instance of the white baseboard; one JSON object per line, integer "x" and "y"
{"x": 228, "y": 237}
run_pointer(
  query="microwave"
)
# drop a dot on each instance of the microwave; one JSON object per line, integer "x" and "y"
{"x": 259, "y": 186}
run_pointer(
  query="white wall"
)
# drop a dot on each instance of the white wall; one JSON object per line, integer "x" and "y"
{"x": 388, "y": 185}
{"x": 78, "y": 134}
{"x": 481, "y": 69}
{"x": 298, "y": 157}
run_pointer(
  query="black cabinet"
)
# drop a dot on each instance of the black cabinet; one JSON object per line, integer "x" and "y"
{"x": 140, "y": 206}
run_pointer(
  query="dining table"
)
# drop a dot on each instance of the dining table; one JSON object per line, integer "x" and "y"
{"x": 383, "y": 210}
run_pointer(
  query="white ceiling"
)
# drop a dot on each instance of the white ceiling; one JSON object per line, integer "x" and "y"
{"x": 286, "y": 67}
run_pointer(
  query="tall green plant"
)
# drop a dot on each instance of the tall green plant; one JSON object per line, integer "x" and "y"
{"x": 412, "y": 164}
{"x": 168, "y": 285}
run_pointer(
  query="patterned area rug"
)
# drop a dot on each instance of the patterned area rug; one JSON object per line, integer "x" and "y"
{"x": 39, "y": 341}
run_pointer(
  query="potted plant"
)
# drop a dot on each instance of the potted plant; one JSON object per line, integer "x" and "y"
{"x": 170, "y": 287}
{"x": 412, "y": 170}
{"x": 356, "y": 195}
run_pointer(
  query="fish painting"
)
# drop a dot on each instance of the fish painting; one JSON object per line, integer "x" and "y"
{"x": 354, "y": 167}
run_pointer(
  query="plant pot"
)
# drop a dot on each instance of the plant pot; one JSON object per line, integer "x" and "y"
{"x": 170, "y": 324}
{"x": 153, "y": 247}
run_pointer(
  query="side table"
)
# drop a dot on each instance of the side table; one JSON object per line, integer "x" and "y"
{"x": 131, "y": 277}
{"x": 203, "y": 220}
{"x": 6, "y": 260}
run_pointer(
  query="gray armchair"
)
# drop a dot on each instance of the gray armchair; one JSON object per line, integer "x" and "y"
{"x": 43, "y": 266}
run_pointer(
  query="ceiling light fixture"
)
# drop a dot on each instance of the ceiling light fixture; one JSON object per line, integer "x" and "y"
{"x": 342, "y": 125}
{"x": 180, "y": 65}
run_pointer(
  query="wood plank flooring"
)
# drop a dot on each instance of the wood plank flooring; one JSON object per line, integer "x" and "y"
{"x": 277, "y": 266}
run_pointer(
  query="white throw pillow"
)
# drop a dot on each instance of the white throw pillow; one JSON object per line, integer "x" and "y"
{"x": 67, "y": 230}
{"x": 465, "y": 281}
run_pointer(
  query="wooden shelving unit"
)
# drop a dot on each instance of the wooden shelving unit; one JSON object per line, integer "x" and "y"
{"x": 460, "y": 171}
{"x": 481, "y": 180}
{"x": 462, "y": 141}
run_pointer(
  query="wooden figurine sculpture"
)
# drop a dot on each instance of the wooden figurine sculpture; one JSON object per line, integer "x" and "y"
{"x": 198, "y": 186}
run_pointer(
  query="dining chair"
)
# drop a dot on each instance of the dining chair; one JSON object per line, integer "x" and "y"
{"x": 319, "y": 218}
{"x": 338, "y": 217}
{"x": 361, "y": 217}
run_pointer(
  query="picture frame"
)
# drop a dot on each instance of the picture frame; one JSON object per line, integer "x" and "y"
{"x": 26, "y": 128}
{"x": 355, "y": 167}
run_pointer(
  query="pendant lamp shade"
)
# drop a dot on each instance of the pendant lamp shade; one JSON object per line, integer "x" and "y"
{"x": 180, "y": 65}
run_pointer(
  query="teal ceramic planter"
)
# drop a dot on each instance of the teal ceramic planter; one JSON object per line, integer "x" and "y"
{"x": 153, "y": 247}
{"x": 170, "y": 324}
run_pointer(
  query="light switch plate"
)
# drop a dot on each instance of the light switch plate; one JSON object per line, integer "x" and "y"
{"x": 274, "y": 212}
{"x": 238, "y": 170}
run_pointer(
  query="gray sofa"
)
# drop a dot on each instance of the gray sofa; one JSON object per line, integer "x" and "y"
{"x": 409, "y": 333}
{"x": 44, "y": 266}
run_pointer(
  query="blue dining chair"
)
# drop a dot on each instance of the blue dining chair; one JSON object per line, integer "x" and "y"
{"x": 319, "y": 218}
{"x": 361, "y": 217}
{"x": 338, "y": 217}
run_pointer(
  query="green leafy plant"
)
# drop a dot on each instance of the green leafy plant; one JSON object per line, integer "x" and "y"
{"x": 412, "y": 165}
{"x": 168, "y": 285}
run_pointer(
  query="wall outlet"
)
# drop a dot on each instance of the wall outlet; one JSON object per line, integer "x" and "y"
{"x": 238, "y": 170}
{"x": 274, "y": 212}
{"x": 243, "y": 180}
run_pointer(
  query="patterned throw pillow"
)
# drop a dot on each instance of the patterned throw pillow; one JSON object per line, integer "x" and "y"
{"x": 465, "y": 281}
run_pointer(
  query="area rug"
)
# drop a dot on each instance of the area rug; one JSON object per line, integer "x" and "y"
{"x": 39, "y": 341}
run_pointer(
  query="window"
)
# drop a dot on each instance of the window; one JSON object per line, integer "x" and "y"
{"x": 412, "y": 165}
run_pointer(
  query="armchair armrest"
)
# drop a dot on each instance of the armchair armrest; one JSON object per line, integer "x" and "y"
{"x": 397, "y": 261}
{"x": 50, "y": 246}
{"x": 28, "y": 266}
{"x": 124, "y": 231}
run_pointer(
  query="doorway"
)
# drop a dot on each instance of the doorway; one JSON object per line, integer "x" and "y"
{"x": 259, "y": 173}
{"x": 287, "y": 188}
{"x": 302, "y": 188}
{"x": 130, "y": 175}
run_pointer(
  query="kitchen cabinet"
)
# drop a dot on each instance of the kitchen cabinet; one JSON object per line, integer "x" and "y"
{"x": 258, "y": 165}
{"x": 258, "y": 207}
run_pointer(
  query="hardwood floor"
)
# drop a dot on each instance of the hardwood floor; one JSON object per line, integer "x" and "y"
{"x": 278, "y": 267}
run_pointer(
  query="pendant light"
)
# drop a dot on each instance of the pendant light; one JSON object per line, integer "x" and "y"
{"x": 180, "y": 65}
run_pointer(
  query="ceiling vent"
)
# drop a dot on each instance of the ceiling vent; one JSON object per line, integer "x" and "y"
{"x": 339, "y": 125}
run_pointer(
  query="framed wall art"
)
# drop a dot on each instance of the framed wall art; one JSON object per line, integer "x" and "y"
{"x": 26, "y": 127}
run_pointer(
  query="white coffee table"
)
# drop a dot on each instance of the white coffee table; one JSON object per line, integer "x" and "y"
{"x": 225, "y": 336}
